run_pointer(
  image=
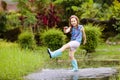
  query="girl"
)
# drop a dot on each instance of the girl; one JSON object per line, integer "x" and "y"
{"x": 77, "y": 33}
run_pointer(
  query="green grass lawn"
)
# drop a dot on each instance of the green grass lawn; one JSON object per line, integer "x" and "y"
{"x": 107, "y": 52}
{"x": 16, "y": 62}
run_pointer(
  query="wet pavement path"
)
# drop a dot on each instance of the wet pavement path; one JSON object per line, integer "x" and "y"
{"x": 66, "y": 74}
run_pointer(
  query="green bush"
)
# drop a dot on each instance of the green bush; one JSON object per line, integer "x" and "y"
{"x": 26, "y": 40}
{"x": 93, "y": 34}
{"x": 3, "y": 21}
{"x": 13, "y": 20}
{"x": 53, "y": 38}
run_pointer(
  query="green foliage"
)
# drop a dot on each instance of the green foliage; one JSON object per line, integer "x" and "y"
{"x": 26, "y": 40}
{"x": 89, "y": 10}
{"x": 115, "y": 12}
{"x": 36, "y": 13}
{"x": 3, "y": 21}
{"x": 69, "y": 6}
{"x": 13, "y": 20}
{"x": 93, "y": 34}
{"x": 74, "y": 8}
{"x": 31, "y": 19}
{"x": 53, "y": 38}
{"x": 117, "y": 25}
{"x": 115, "y": 8}
{"x": 25, "y": 8}
{"x": 110, "y": 10}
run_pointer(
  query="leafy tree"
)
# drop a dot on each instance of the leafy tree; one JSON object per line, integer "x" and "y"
{"x": 115, "y": 8}
{"x": 104, "y": 2}
{"x": 89, "y": 10}
{"x": 27, "y": 16}
{"x": 114, "y": 11}
{"x": 49, "y": 16}
{"x": 70, "y": 6}
{"x": 37, "y": 13}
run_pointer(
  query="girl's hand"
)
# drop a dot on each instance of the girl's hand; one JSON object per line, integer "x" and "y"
{"x": 66, "y": 29}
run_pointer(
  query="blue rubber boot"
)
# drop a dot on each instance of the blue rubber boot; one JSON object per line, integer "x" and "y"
{"x": 74, "y": 65}
{"x": 55, "y": 53}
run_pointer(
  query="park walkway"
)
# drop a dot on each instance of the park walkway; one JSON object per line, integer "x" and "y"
{"x": 66, "y": 74}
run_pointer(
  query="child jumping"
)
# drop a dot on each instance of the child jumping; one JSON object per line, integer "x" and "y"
{"x": 77, "y": 33}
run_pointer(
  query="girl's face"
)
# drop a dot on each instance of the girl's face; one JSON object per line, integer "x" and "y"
{"x": 74, "y": 22}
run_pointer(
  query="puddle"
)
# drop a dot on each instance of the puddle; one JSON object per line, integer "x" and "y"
{"x": 82, "y": 74}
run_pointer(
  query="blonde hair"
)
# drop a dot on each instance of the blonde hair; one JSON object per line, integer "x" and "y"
{"x": 73, "y": 16}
